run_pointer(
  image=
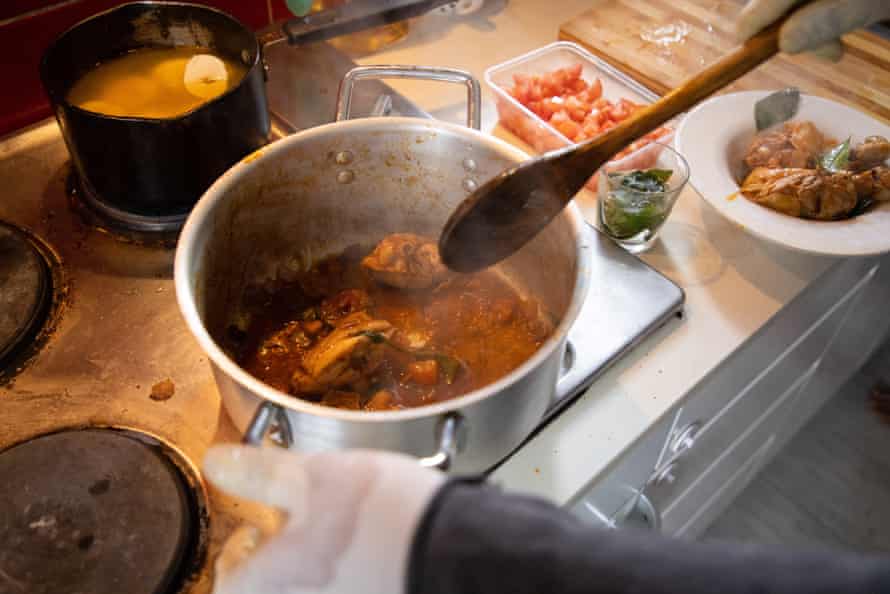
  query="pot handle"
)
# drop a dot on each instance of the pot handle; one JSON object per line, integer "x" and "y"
{"x": 452, "y": 75}
{"x": 353, "y": 16}
{"x": 452, "y": 436}
{"x": 269, "y": 416}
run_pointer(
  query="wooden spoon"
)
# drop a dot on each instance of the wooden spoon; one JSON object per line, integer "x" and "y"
{"x": 510, "y": 209}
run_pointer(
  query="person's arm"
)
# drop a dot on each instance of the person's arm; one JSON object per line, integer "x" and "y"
{"x": 377, "y": 523}
{"x": 474, "y": 539}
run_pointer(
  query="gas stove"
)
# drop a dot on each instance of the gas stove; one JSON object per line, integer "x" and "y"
{"x": 107, "y": 404}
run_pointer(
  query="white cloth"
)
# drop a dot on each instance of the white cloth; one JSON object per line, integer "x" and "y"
{"x": 351, "y": 519}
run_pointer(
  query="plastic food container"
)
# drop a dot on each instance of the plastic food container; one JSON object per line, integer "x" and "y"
{"x": 539, "y": 134}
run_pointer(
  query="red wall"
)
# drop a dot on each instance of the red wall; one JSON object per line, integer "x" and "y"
{"x": 27, "y": 27}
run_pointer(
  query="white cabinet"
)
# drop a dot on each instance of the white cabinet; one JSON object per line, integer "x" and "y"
{"x": 688, "y": 468}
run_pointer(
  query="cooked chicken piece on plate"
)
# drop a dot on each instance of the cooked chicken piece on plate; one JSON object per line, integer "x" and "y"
{"x": 873, "y": 183}
{"x": 815, "y": 194}
{"x": 406, "y": 261}
{"x": 872, "y": 152}
{"x": 795, "y": 144}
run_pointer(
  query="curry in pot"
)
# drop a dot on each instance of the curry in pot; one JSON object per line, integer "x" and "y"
{"x": 389, "y": 328}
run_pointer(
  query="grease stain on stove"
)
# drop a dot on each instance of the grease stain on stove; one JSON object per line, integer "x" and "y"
{"x": 85, "y": 542}
{"x": 100, "y": 487}
{"x": 162, "y": 390}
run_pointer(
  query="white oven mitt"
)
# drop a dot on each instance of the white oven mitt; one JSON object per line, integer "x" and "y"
{"x": 816, "y": 26}
{"x": 351, "y": 519}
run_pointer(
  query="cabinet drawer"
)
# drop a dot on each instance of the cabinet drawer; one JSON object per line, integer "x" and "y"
{"x": 717, "y": 502}
{"x": 710, "y": 470}
{"x": 783, "y": 340}
{"x": 602, "y": 501}
{"x": 721, "y": 413}
{"x": 711, "y": 424}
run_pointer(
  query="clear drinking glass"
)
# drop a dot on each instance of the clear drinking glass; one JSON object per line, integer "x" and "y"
{"x": 631, "y": 209}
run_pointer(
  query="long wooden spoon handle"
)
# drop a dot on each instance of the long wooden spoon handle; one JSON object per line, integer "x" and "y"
{"x": 724, "y": 71}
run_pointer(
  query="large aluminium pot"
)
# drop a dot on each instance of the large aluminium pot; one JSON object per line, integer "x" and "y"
{"x": 314, "y": 194}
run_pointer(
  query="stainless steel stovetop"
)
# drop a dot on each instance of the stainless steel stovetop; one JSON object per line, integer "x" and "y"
{"x": 116, "y": 353}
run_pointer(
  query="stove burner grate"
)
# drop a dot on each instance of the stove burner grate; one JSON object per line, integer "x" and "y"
{"x": 26, "y": 293}
{"x": 125, "y": 224}
{"x": 95, "y": 510}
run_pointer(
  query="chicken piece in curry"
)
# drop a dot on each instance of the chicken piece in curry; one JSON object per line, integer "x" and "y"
{"x": 797, "y": 171}
{"x": 390, "y": 328}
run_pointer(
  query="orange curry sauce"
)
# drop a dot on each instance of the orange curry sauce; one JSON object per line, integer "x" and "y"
{"x": 477, "y": 318}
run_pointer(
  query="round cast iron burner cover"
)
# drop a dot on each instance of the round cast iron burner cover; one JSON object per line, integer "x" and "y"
{"x": 91, "y": 511}
{"x": 25, "y": 287}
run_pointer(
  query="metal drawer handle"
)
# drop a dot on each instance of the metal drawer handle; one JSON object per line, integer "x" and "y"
{"x": 453, "y": 75}
{"x": 682, "y": 441}
{"x": 639, "y": 512}
{"x": 685, "y": 438}
{"x": 665, "y": 474}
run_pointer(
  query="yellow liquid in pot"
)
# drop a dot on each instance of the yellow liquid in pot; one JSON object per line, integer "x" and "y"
{"x": 152, "y": 83}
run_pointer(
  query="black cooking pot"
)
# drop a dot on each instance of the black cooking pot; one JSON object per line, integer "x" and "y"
{"x": 156, "y": 168}
{"x": 150, "y": 172}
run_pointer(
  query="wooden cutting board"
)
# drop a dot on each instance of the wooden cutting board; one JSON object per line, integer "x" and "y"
{"x": 660, "y": 43}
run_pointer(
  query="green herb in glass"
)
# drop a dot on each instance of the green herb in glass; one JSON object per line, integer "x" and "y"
{"x": 634, "y": 203}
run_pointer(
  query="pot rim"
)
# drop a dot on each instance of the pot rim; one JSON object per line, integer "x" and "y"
{"x": 63, "y": 100}
{"x": 216, "y": 194}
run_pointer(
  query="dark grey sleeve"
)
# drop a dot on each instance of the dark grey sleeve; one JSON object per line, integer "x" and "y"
{"x": 475, "y": 540}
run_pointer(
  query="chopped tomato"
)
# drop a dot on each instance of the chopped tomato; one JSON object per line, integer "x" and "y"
{"x": 628, "y": 105}
{"x": 548, "y": 107}
{"x": 595, "y": 91}
{"x": 564, "y": 124}
{"x": 578, "y": 86}
{"x": 576, "y": 109}
{"x": 601, "y": 103}
{"x": 573, "y": 106}
{"x": 569, "y": 129}
{"x": 619, "y": 112}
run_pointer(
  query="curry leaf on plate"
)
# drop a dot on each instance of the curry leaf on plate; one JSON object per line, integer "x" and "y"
{"x": 776, "y": 108}
{"x": 837, "y": 158}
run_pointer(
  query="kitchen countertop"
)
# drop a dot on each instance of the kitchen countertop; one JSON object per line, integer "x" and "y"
{"x": 734, "y": 283}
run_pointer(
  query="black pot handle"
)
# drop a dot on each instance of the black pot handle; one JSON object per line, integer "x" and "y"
{"x": 356, "y": 15}
{"x": 272, "y": 419}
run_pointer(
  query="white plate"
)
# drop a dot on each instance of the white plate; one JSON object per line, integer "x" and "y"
{"x": 713, "y": 138}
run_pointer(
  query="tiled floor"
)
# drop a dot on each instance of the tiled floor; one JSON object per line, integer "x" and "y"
{"x": 830, "y": 487}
